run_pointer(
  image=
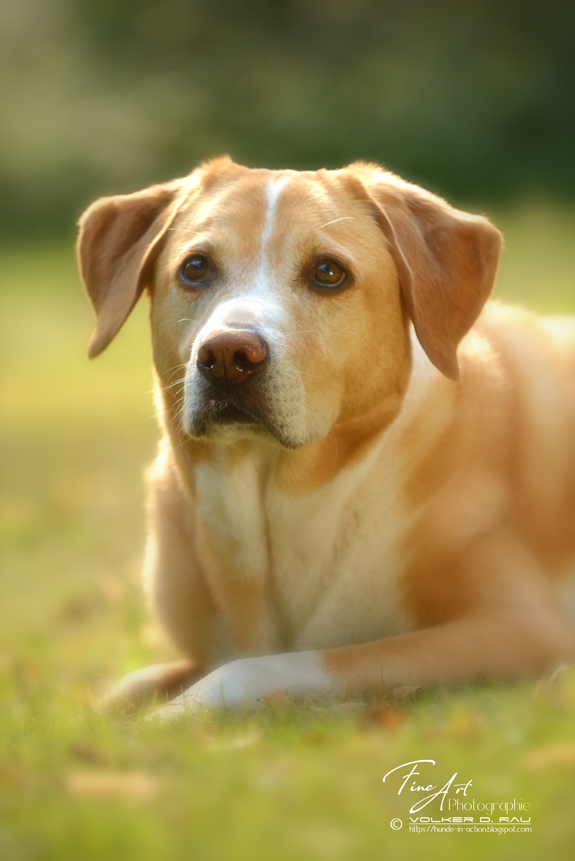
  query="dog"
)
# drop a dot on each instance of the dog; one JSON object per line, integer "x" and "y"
{"x": 367, "y": 474}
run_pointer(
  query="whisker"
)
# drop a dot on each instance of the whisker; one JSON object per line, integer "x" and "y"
{"x": 335, "y": 220}
{"x": 177, "y": 367}
{"x": 176, "y": 383}
{"x": 307, "y": 373}
{"x": 301, "y": 332}
{"x": 172, "y": 371}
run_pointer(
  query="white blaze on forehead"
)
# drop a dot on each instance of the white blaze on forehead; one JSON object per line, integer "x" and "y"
{"x": 264, "y": 273}
{"x": 273, "y": 190}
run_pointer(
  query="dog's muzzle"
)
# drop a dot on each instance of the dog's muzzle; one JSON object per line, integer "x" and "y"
{"x": 234, "y": 387}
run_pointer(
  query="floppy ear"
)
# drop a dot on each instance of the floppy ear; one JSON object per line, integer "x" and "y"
{"x": 118, "y": 242}
{"x": 446, "y": 261}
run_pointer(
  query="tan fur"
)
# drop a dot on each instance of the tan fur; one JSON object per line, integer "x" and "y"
{"x": 441, "y": 479}
{"x": 315, "y": 465}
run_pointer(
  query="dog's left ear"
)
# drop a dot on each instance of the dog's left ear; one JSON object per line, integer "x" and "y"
{"x": 118, "y": 242}
{"x": 446, "y": 261}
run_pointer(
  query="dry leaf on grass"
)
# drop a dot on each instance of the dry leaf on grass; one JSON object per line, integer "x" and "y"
{"x": 388, "y": 717}
{"x": 558, "y": 755}
{"x": 131, "y": 786}
{"x": 465, "y": 723}
{"x": 278, "y": 701}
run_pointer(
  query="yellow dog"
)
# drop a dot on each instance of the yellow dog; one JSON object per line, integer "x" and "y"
{"x": 366, "y": 478}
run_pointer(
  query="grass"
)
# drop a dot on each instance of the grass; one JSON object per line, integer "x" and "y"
{"x": 281, "y": 784}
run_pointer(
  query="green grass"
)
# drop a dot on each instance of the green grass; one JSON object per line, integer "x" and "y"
{"x": 75, "y": 437}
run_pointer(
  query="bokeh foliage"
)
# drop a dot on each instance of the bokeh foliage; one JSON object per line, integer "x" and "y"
{"x": 474, "y": 100}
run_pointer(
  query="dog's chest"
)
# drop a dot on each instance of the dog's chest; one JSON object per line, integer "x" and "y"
{"x": 328, "y": 563}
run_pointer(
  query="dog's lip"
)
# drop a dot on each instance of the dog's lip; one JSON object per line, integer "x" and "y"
{"x": 228, "y": 414}
{"x": 223, "y": 409}
{"x": 225, "y": 412}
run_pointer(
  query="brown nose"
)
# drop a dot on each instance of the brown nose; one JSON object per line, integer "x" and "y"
{"x": 231, "y": 355}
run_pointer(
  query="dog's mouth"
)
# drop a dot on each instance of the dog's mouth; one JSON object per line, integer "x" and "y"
{"x": 229, "y": 414}
{"x": 226, "y": 409}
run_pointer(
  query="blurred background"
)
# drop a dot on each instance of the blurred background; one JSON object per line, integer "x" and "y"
{"x": 473, "y": 100}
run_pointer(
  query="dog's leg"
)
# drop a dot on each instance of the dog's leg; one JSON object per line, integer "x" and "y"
{"x": 158, "y": 682}
{"x": 178, "y": 596}
{"x": 514, "y": 625}
{"x": 455, "y": 652}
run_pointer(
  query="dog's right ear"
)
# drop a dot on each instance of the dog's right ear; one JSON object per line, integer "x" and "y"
{"x": 119, "y": 240}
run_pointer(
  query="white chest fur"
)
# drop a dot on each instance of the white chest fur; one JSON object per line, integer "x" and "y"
{"x": 329, "y": 561}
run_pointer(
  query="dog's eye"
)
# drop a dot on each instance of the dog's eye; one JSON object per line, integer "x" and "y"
{"x": 195, "y": 270}
{"x": 328, "y": 273}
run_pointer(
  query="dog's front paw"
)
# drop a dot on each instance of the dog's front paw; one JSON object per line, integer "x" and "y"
{"x": 232, "y": 686}
{"x": 245, "y": 684}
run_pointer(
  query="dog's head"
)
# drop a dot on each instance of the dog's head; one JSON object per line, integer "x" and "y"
{"x": 281, "y": 300}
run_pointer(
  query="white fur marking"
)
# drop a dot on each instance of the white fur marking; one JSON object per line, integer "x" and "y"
{"x": 273, "y": 190}
{"x": 246, "y": 682}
